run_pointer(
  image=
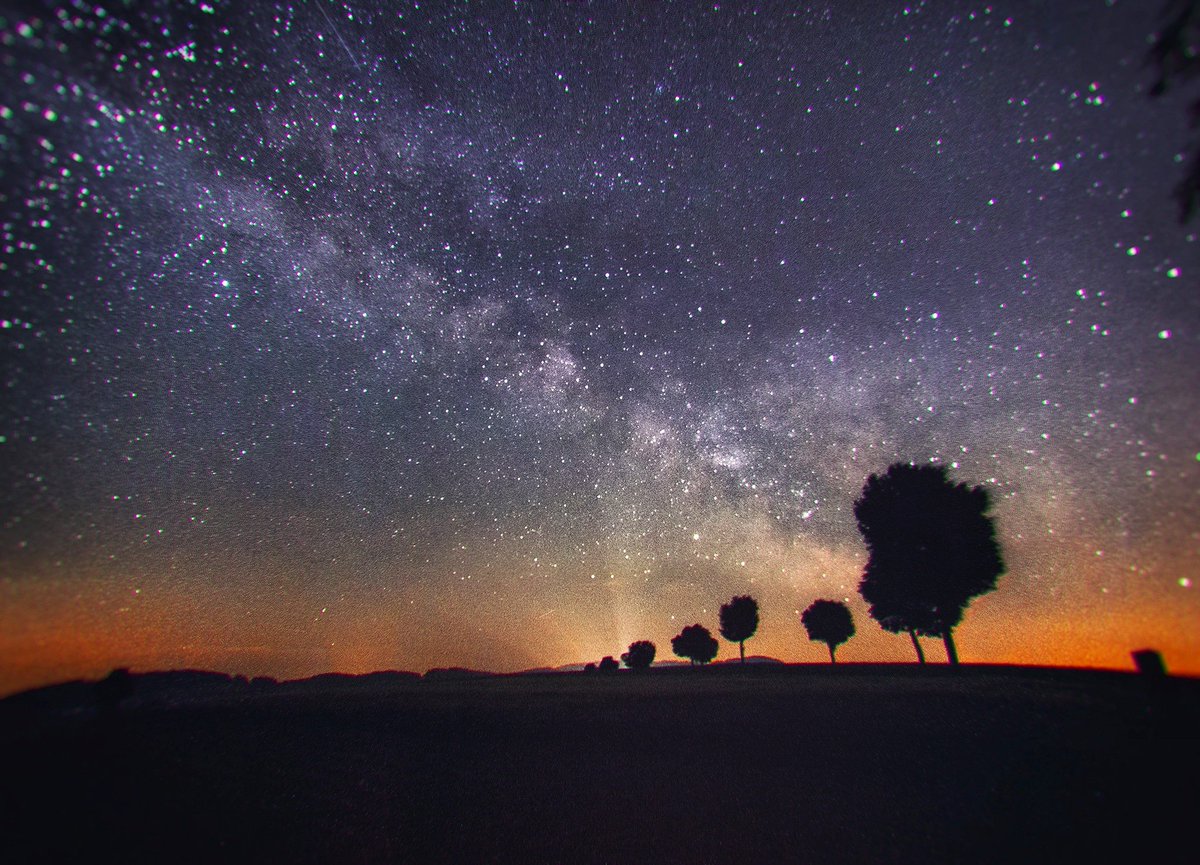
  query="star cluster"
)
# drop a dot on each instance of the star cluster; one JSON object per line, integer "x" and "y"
{"x": 352, "y": 336}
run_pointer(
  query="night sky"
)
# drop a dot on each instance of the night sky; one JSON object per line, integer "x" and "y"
{"x": 344, "y": 337}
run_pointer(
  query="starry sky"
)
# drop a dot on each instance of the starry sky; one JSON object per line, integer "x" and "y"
{"x": 342, "y": 336}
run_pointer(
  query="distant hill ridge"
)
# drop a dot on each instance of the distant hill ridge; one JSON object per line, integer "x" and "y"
{"x": 159, "y": 685}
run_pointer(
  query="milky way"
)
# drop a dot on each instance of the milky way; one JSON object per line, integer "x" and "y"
{"x": 499, "y": 335}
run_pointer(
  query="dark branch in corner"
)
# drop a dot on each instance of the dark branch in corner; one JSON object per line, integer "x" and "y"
{"x": 1175, "y": 55}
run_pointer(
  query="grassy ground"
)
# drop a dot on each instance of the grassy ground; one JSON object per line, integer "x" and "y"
{"x": 805, "y": 764}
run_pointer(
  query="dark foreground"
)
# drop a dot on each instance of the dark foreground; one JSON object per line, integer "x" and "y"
{"x": 853, "y": 764}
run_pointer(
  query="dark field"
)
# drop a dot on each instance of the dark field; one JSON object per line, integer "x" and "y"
{"x": 801, "y": 764}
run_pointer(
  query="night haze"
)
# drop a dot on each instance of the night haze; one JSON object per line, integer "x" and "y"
{"x": 341, "y": 337}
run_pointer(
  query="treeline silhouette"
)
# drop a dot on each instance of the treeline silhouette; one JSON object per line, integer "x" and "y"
{"x": 931, "y": 547}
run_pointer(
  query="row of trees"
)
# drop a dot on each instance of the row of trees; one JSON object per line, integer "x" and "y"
{"x": 932, "y": 549}
{"x": 739, "y": 622}
{"x": 827, "y": 622}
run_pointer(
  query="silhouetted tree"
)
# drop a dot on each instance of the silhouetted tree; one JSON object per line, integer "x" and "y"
{"x": 114, "y": 689}
{"x": 829, "y": 622}
{"x": 1176, "y": 61}
{"x": 608, "y": 665}
{"x": 589, "y": 667}
{"x": 640, "y": 655}
{"x": 739, "y": 621}
{"x": 695, "y": 643}
{"x": 932, "y": 549}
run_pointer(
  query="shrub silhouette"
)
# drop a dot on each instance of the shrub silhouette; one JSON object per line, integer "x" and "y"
{"x": 640, "y": 655}
{"x": 739, "y": 621}
{"x": 1149, "y": 662}
{"x": 589, "y": 667}
{"x": 932, "y": 549}
{"x": 608, "y": 665}
{"x": 828, "y": 622}
{"x": 695, "y": 643}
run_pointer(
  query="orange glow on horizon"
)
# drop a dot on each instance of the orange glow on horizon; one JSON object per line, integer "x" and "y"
{"x": 66, "y": 643}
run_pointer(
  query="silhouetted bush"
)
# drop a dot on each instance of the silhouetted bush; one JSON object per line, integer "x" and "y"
{"x": 932, "y": 549}
{"x": 739, "y": 621}
{"x": 589, "y": 667}
{"x": 828, "y": 622}
{"x": 1149, "y": 662}
{"x": 640, "y": 655}
{"x": 608, "y": 665}
{"x": 695, "y": 643}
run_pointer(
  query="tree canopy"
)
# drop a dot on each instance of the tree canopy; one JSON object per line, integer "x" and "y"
{"x": 695, "y": 643}
{"x": 739, "y": 621}
{"x": 828, "y": 622}
{"x": 640, "y": 655}
{"x": 932, "y": 548}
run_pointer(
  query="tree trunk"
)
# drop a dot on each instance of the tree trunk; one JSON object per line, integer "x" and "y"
{"x": 951, "y": 651}
{"x": 917, "y": 646}
{"x": 832, "y": 659}
{"x": 742, "y": 649}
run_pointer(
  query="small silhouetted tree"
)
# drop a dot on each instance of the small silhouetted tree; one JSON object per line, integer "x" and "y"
{"x": 640, "y": 655}
{"x": 608, "y": 665}
{"x": 589, "y": 667}
{"x": 695, "y": 643}
{"x": 739, "y": 621}
{"x": 828, "y": 622}
{"x": 932, "y": 547}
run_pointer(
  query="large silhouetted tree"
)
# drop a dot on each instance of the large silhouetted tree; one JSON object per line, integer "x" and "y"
{"x": 739, "y": 621}
{"x": 932, "y": 547}
{"x": 640, "y": 655}
{"x": 828, "y": 622}
{"x": 695, "y": 643}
